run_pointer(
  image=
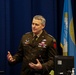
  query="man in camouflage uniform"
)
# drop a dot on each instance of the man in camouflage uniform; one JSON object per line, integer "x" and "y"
{"x": 36, "y": 50}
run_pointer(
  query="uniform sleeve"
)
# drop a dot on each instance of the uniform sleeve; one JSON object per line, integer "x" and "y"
{"x": 19, "y": 55}
{"x": 52, "y": 51}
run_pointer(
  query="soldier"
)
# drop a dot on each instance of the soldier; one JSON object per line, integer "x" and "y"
{"x": 36, "y": 50}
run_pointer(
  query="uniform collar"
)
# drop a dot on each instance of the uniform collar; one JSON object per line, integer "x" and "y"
{"x": 38, "y": 34}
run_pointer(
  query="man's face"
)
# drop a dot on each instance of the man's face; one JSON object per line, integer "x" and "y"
{"x": 37, "y": 26}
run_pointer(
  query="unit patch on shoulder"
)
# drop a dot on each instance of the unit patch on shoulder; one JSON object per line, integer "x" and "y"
{"x": 54, "y": 43}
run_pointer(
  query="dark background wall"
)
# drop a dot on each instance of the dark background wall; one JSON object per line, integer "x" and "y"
{"x": 15, "y": 20}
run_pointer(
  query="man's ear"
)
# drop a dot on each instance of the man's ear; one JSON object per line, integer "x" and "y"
{"x": 43, "y": 26}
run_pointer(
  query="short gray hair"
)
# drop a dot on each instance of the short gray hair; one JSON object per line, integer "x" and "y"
{"x": 39, "y": 17}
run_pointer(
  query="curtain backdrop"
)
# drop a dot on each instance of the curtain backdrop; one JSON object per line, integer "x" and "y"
{"x": 15, "y": 20}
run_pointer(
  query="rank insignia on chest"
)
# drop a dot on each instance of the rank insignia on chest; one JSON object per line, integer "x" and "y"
{"x": 26, "y": 42}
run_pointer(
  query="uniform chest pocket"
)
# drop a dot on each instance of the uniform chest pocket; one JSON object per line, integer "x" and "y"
{"x": 41, "y": 50}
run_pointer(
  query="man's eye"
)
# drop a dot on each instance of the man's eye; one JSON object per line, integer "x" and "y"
{"x": 32, "y": 23}
{"x": 35, "y": 24}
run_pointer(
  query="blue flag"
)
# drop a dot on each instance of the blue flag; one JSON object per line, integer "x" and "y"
{"x": 67, "y": 34}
